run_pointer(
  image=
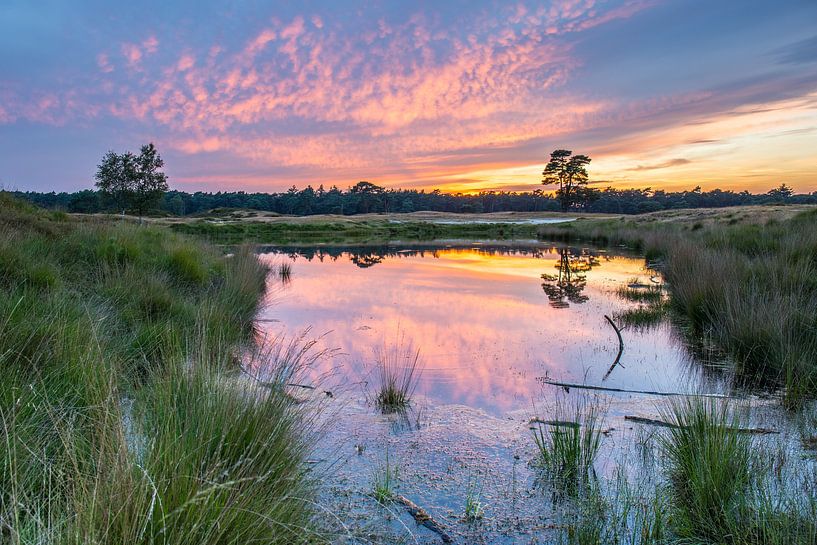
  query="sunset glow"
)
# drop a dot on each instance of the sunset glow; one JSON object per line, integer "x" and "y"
{"x": 461, "y": 96}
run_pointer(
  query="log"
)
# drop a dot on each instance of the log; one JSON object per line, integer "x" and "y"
{"x": 661, "y": 423}
{"x": 568, "y": 385}
{"x": 424, "y": 519}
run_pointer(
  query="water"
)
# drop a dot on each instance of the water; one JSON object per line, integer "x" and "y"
{"x": 489, "y": 320}
{"x": 485, "y": 321}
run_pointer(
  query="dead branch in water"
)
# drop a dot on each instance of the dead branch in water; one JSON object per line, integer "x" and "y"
{"x": 562, "y": 423}
{"x": 617, "y": 361}
{"x": 661, "y": 423}
{"x": 568, "y": 385}
{"x": 423, "y": 518}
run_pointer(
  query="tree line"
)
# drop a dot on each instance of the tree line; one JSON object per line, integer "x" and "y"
{"x": 309, "y": 201}
{"x": 136, "y": 184}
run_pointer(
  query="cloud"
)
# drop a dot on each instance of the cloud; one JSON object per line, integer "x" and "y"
{"x": 410, "y": 100}
{"x": 104, "y": 63}
{"x": 800, "y": 52}
{"x": 132, "y": 54}
{"x": 150, "y": 45}
{"x": 665, "y": 164}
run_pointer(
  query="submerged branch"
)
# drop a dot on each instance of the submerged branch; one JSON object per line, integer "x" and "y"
{"x": 620, "y": 347}
{"x": 568, "y": 385}
{"x": 661, "y": 423}
{"x": 423, "y": 518}
{"x": 558, "y": 423}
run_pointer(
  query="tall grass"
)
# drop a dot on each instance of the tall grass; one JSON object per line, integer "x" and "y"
{"x": 568, "y": 447}
{"x": 719, "y": 486}
{"x": 120, "y": 421}
{"x": 710, "y": 467}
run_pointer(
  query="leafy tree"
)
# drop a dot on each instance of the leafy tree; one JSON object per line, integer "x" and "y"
{"x": 85, "y": 202}
{"x": 570, "y": 173}
{"x": 131, "y": 181}
{"x": 780, "y": 193}
{"x": 115, "y": 178}
{"x": 370, "y": 197}
{"x": 150, "y": 182}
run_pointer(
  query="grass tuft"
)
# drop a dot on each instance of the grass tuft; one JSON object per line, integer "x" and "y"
{"x": 397, "y": 372}
{"x": 568, "y": 450}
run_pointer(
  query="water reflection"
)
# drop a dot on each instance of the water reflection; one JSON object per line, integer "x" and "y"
{"x": 477, "y": 313}
{"x": 567, "y": 285}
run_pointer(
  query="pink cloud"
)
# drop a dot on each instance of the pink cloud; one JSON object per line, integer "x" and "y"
{"x": 151, "y": 45}
{"x": 104, "y": 63}
{"x": 185, "y": 62}
{"x": 132, "y": 54}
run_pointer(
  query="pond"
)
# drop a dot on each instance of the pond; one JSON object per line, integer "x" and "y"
{"x": 487, "y": 318}
{"x": 492, "y": 321}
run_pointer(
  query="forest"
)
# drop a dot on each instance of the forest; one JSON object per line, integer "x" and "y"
{"x": 365, "y": 197}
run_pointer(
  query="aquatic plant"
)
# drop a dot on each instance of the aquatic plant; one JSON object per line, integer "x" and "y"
{"x": 709, "y": 464}
{"x": 568, "y": 444}
{"x": 640, "y": 293}
{"x": 397, "y": 372}
{"x": 384, "y": 480}
{"x": 643, "y": 316}
{"x": 285, "y": 272}
{"x": 474, "y": 509}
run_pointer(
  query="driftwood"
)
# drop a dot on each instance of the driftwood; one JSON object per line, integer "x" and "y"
{"x": 424, "y": 519}
{"x": 661, "y": 423}
{"x": 617, "y": 361}
{"x": 562, "y": 423}
{"x": 568, "y": 385}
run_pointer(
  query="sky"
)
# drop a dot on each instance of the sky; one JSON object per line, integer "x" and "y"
{"x": 457, "y": 95}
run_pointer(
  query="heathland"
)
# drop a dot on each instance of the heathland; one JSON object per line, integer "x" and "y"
{"x": 126, "y": 417}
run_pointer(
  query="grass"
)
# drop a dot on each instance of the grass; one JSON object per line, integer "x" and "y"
{"x": 643, "y": 316}
{"x": 285, "y": 272}
{"x": 353, "y": 230}
{"x": 748, "y": 288}
{"x": 646, "y": 294}
{"x": 121, "y": 420}
{"x": 474, "y": 509}
{"x": 384, "y": 481}
{"x": 711, "y": 484}
{"x": 397, "y": 372}
{"x": 568, "y": 450}
{"x": 719, "y": 483}
{"x": 710, "y": 467}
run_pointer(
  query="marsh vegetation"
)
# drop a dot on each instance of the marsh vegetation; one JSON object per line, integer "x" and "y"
{"x": 746, "y": 288}
{"x": 142, "y": 405}
{"x": 123, "y": 420}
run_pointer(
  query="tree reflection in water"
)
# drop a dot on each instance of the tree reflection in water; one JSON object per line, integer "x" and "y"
{"x": 567, "y": 285}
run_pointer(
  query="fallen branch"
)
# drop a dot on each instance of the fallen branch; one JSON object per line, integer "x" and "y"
{"x": 305, "y": 386}
{"x": 661, "y": 423}
{"x": 562, "y": 423}
{"x": 620, "y": 347}
{"x": 568, "y": 385}
{"x": 424, "y": 519}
